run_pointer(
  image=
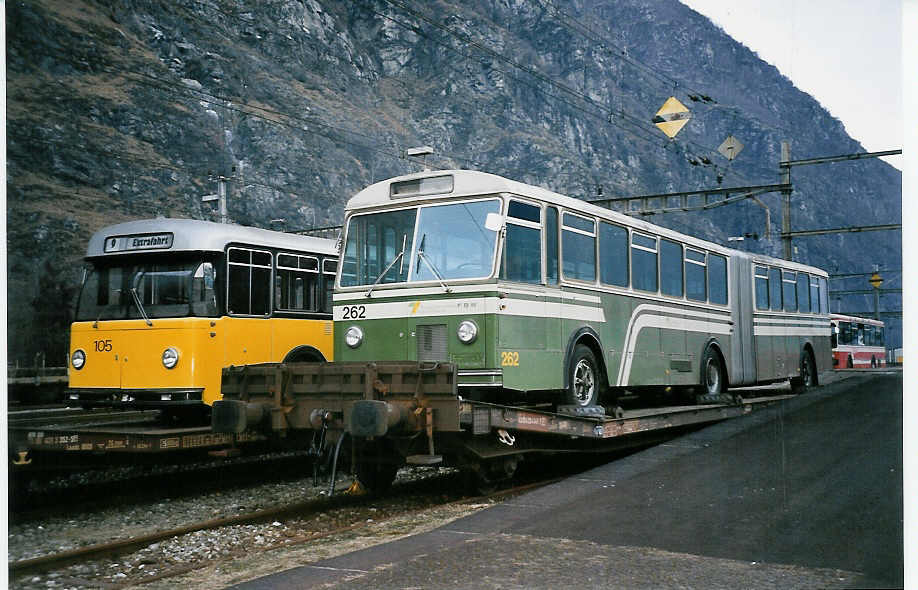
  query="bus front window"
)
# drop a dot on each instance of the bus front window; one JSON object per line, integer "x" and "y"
{"x": 382, "y": 247}
{"x": 374, "y": 242}
{"x": 456, "y": 243}
{"x": 203, "y": 296}
{"x": 164, "y": 290}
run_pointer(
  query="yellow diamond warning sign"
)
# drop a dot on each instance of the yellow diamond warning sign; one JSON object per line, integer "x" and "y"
{"x": 672, "y": 117}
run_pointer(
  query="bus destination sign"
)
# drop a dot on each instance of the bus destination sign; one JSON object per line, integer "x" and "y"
{"x": 143, "y": 242}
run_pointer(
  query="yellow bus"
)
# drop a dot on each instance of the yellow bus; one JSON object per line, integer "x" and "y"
{"x": 165, "y": 304}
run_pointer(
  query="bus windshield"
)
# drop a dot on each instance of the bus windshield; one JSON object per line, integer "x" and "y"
{"x": 163, "y": 290}
{"x": 429, "y": 243}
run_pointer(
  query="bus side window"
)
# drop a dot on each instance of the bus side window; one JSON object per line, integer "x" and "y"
{"x": 296, "y": 282}
{"x": 823, "y": 295}
{"x": 761, "y": 287}
{"x": 671, "y": 268}
{"x": 834, "y": 336}
{"x": 814, "y": 294}
{"x": 329, "y": 268}
{"x": 775, "y": 290}
{"x": 644, "y": 262}
{"x": 790, "y": 291}
{"x": 717, "y": 279}
{"x": 249, "y": 288}
{"x": 696, "y": 275}
{"x": 578, "y": 247}
{"x": 613, "y": 254}
{"x": 803, "y": 291}
{"x": 523, "y": 244}
{"x": 551, "y": 245}
{"x": 860, "y": 334}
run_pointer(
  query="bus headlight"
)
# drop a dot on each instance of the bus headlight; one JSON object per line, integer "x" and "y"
{"x": 353, "y": 337}
{"x": 170, "y": 358}
{"x": 467, "y": 331}
{"x": 78, "y": 359}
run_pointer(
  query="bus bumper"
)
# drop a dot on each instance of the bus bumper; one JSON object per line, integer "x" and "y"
{"x": 134, "y": 398}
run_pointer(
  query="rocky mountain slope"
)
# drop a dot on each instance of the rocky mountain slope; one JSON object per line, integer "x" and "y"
{"x": 127, "y": 110}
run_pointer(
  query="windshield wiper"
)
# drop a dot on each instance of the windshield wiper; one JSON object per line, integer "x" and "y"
{"x": 430, "y": 265}
{"x": 95, "y": 324}
{"x": 399, "y": 256}
{"x": 137, "y": 301}
{"x": 105, "y": 307}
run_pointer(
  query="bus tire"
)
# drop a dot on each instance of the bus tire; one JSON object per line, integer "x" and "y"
{"x": 583, "y": 382}
{"x": 808, "y": 369}
{"x": 808, "y": 376}
{"x": 713, "y": 376}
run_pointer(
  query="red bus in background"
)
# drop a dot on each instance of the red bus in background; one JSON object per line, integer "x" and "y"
{"x": 857, "y": 343}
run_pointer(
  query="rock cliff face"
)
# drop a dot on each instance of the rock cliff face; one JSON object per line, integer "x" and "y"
{"x": 123, "y": 110}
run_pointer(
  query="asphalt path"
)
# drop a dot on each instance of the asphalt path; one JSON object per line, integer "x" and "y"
{"x": 804, "y": 494}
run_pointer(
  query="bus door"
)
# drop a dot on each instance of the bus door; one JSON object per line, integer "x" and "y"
{"x": 742, "y": 344}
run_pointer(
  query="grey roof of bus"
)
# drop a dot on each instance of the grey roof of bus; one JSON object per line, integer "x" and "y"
{"x": 199, "y": 235}
{"x": 474, "y": 183}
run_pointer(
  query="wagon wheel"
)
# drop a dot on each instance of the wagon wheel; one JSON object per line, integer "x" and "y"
{"x": 376, "y": 477}
{"x": 491, "y": 474}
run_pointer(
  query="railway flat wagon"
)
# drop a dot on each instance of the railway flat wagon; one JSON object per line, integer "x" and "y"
{"x": 539, "y": 298}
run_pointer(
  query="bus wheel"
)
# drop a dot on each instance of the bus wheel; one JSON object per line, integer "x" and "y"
{"x": 712, "y": 373}
{"x": 808, "y": 370}
{"x": 584, "y": 378}
{"x": 808, "y": 377}
{"x": 850, "y": 362}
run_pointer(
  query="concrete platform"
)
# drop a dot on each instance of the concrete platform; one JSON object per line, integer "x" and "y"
{"x": 804, "y": 494}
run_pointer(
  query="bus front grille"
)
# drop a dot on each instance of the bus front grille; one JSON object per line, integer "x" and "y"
{"x": 432, "y": 343}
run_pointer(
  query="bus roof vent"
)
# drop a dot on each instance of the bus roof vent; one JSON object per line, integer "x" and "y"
{"x": 434, "y": 185}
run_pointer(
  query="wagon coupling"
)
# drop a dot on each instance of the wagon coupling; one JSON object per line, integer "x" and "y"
{"x": 375, "y": 418}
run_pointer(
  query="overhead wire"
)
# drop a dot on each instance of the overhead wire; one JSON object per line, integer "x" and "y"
{"x": 650, "y": 137}
{"x": 605, "y": 109}
{"x": 590, "y": 34}
{"x": 228, "y": 101}
{"x": 273, "y": 115}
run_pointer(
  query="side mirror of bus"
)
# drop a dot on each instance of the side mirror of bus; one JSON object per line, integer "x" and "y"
{"x": 494, "y": 221}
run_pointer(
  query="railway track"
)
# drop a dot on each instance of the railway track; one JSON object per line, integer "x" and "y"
{"x": 426, "y": 493}
{"x": 69, "y": 493}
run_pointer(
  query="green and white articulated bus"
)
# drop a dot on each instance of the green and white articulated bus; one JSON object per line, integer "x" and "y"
{"x": 531, "y": 292}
